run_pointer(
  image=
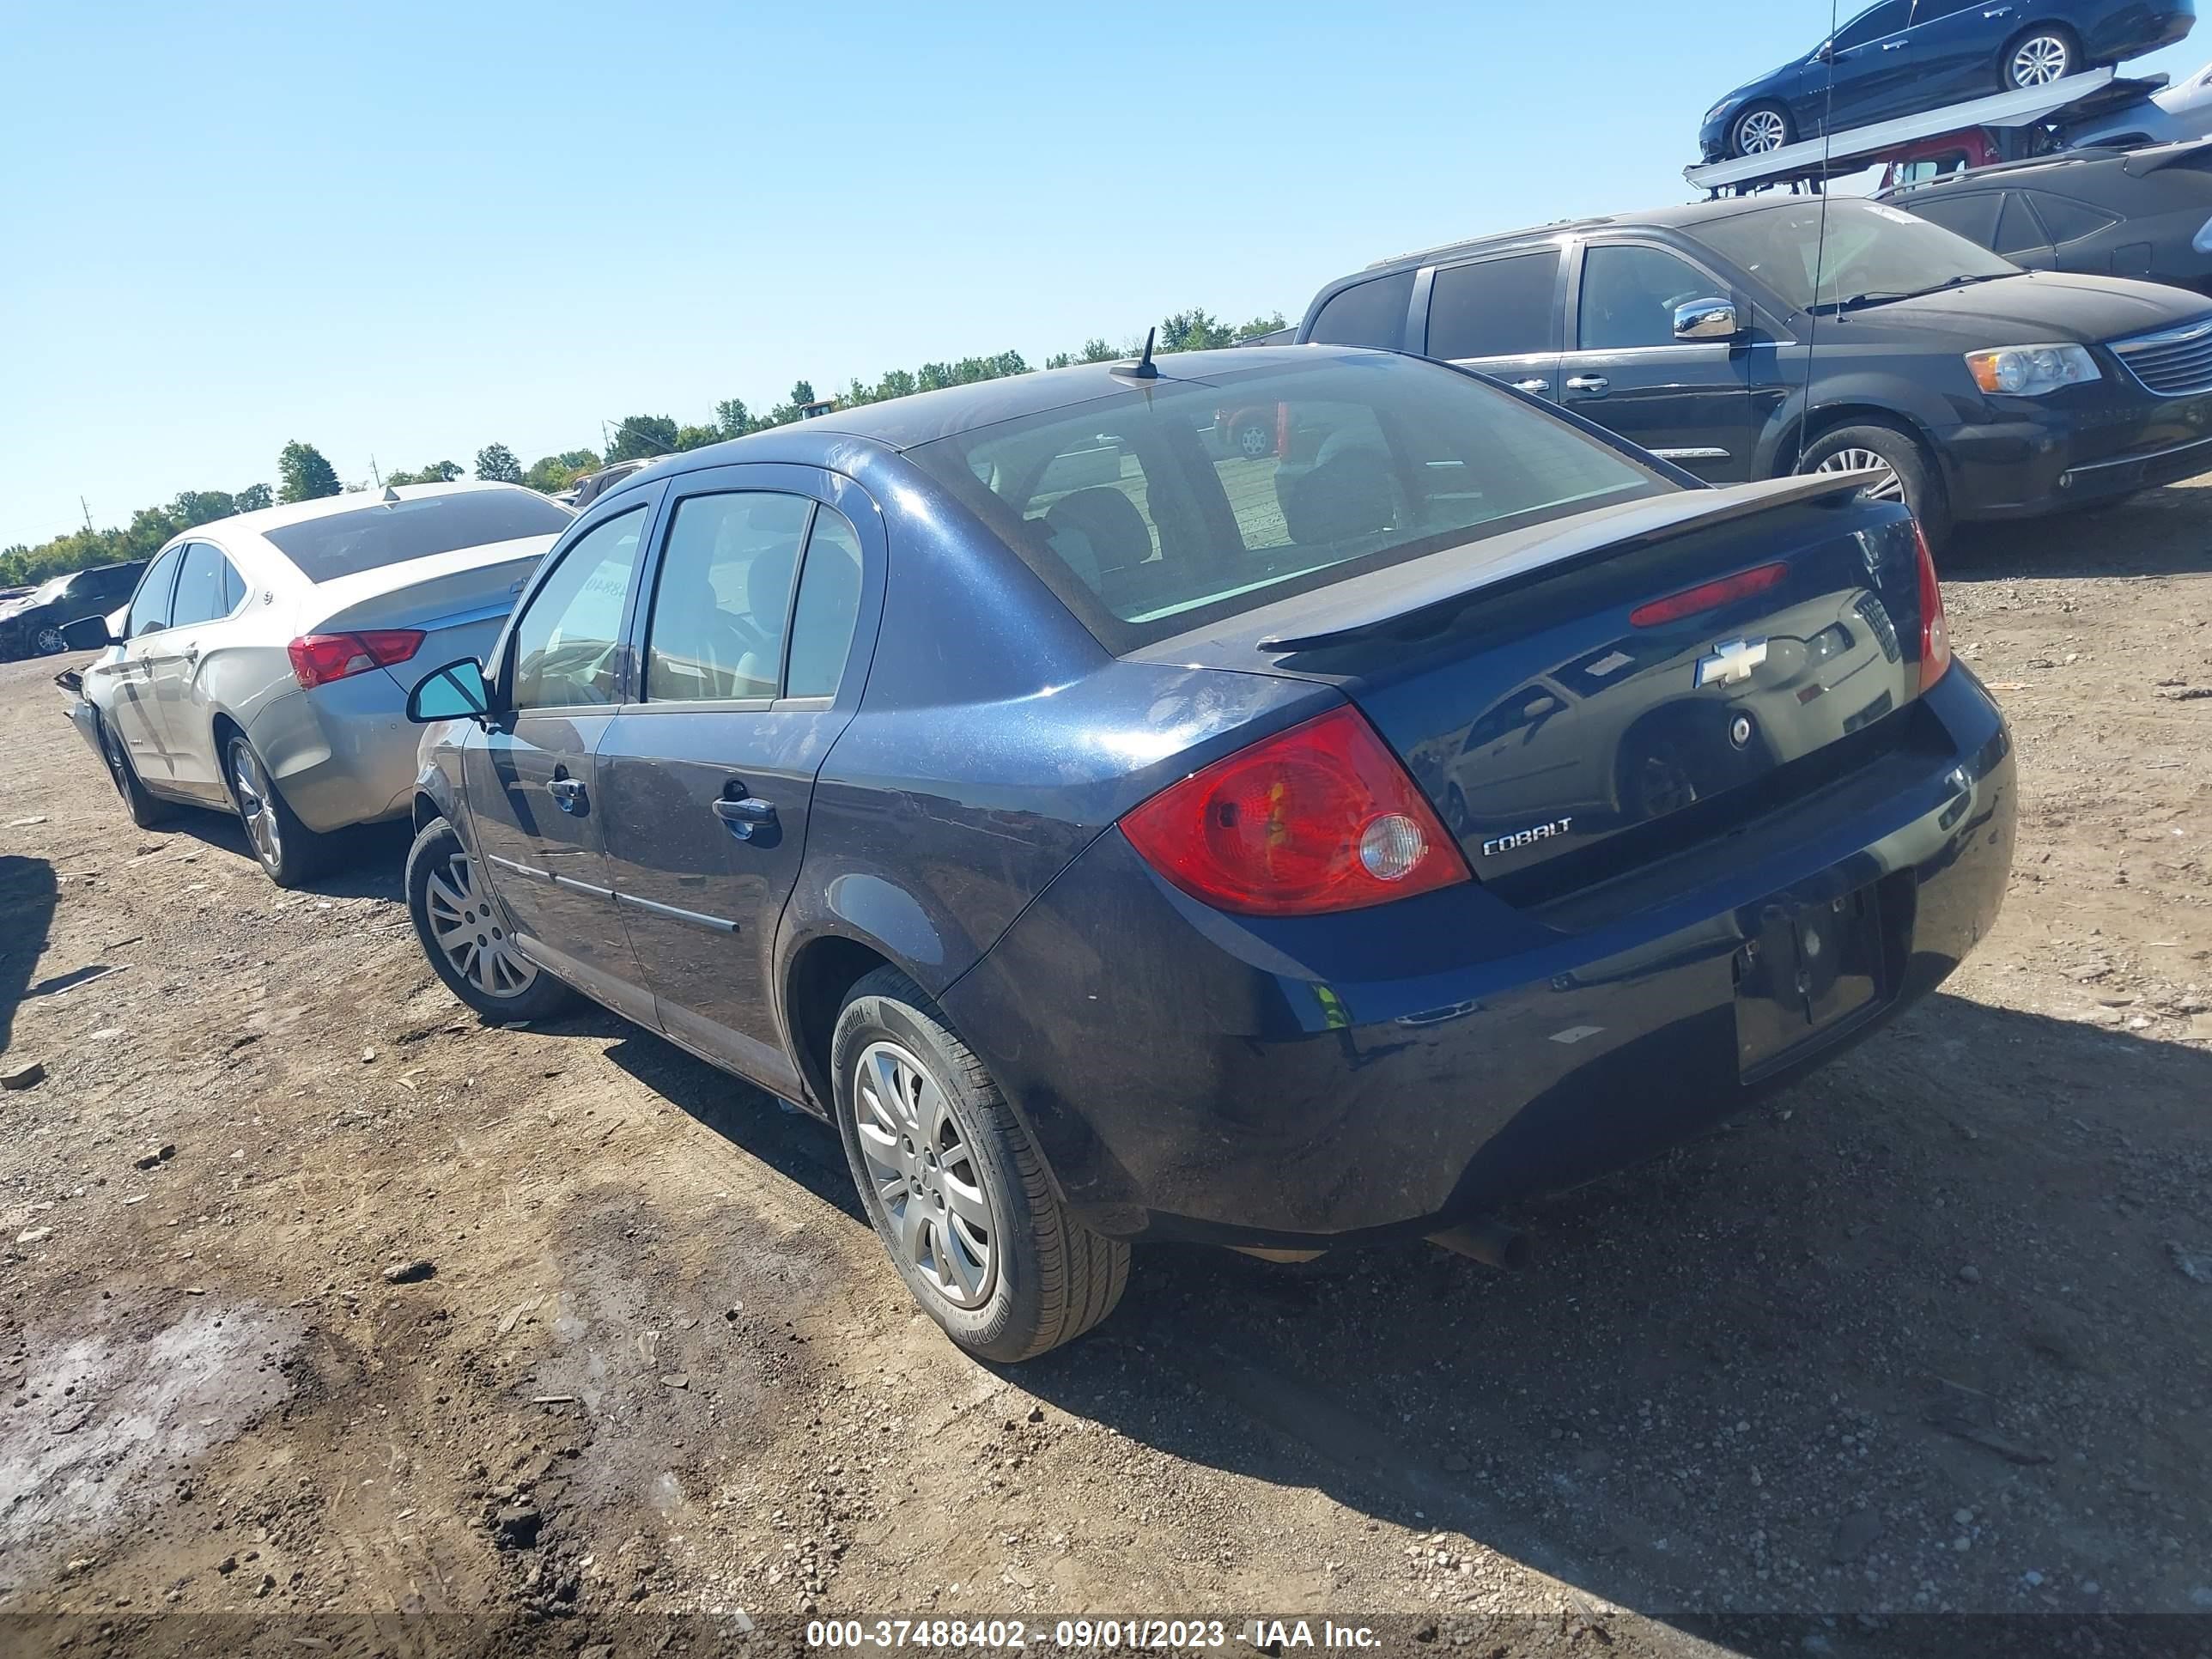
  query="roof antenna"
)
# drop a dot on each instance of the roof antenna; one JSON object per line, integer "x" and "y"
{"x": 1144, "y": 368}
{"x": 391, "y": 496}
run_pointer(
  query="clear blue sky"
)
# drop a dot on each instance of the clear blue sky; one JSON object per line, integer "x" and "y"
{"x": 407, "y": 230}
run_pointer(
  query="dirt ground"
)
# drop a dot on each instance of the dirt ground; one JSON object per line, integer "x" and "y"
{"x": 1931, "y": 1334}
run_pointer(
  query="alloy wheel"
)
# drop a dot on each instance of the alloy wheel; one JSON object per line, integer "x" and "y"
{"x": 1760, "y": 130}
{"x": 48, "y": 641}
{"x": 2039, "y": 60}
{"x": 257, "y": 805}
{"x": 472, "y": 935}
{"x": 1887, "y": 488}
{"x": 928, "y": 1178}
{"x": 1254, "y": 442}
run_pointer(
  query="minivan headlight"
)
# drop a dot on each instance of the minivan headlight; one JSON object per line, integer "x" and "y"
{"x": 2029, "y": 371}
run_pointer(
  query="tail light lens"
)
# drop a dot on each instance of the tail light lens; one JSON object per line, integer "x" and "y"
{"x": 1316, "y": 818}
{"x": 1935, "y": 627}
{"x": 318, "y": 658}
{"x": 1709, "y": 596}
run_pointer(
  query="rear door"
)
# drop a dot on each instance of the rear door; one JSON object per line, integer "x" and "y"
{"x": 531, "y": 779}
{"x": 1953, "y": 45}
{"x": 1500, "y": 314}
{"x": 1700, "y": 403}
{"x": 130, "y": 707}
{"x": 753, "y": 648}
{"x": 209, "y": 597}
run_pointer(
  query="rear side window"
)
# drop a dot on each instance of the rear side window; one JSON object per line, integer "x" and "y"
{"x": 150, "y": 608}
{"x": 2068, "y": 220}
{"x": 1495, "y": 308}
{"x": 723, "y": 594}
{"x": 1629, "y": 295}
{"x": 370, "y": 537}
{"x": 1375, "y": 460}
{"x": 2017, "y": 229}
{"x": 205, "y": 587}
{"x": 1371, "y": 314}
{"x": 828, "y": 606}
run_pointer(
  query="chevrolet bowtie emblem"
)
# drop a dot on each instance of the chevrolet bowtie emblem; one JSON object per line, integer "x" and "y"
{"x": 1730, "y": 662}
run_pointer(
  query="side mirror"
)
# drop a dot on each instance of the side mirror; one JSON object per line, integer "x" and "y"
{"x": 454, "y": 692}
{"x": 1826, "y": 54}
{"x": 87, "y": 634}
{"x": 1707, "y": 319}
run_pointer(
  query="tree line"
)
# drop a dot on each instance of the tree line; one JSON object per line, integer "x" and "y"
{"x": 304, "y": 473}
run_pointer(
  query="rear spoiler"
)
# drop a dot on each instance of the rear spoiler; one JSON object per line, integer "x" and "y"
{"x": 1571, "y": 541}
{"x": 2144, "y": 162}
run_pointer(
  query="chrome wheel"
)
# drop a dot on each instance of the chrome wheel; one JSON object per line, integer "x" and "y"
{"x": 48, "y": 641}
{"x": 257, "y": 805}
{"x": 1886, "y": 488}
{"x": 2040, "y": 59}
{"x": 1759, "y": 130}
{"x": 472, "y": 934}
{"x": 925, "y": 1175}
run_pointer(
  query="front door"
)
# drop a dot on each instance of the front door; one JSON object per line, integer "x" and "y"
{"x": 208, "y": 592}
{"x": 531, "y": 781}
{"x": 708, "y": 779}
{"x": 1499, "y": 315}
{"x": 1873, "y": 65}
{"x": 129, "y": 710}
{"x": 1700, "y": 403}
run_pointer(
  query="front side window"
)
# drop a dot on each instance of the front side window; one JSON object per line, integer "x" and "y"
{"x": 1973, "y": 216}
{"x": 568, "y": 645}
{"x": 1377, "y": 460}
{"x": 206, "y": 587}
{"x": 722, "y": 598}
{"x": 1629, "y": 295}
{"x": 1370, "y": 314}
{"x": 1494, "y": 308}
{"x": 149, "y": 608}
{"x": 1868, "y": 252}
{"x": 2017, "y": 229}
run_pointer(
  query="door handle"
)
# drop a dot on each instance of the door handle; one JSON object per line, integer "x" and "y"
{"x": 1532, "y": 385}
{"x": 745, "y": 815}
{"x": 1595, "y": 385}
{"x": 1998, "y": 11}
{"x": 193, "y": 651}
{"x": 1892, "y": 45}
{"x": 567, "y": 793}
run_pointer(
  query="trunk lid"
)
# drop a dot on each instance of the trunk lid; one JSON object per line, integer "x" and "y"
{"x": 1567, "y": 723}
{"x": 459, "y": 599}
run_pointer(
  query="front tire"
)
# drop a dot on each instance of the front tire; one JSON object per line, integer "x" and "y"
{"x": 954, "y": 1187}
{"x": 146, "y": 809}
{"x": 2038, "y": 57}
{"x": 465, "y": 935}
{"x": 1909, "y": 471}
{"x": 1759, "y": 129}
{"x": 288, "y": 851}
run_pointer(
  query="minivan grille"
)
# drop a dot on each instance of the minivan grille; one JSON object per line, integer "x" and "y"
{"x": 2173, "y": 363}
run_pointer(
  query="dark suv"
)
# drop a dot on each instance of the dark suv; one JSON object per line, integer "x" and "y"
{"x": 31, "y": 626}
{"x": 2144, "y": 213}
{"x": 1982, "y": 392}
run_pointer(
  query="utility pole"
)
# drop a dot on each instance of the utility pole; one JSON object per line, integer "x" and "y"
{"x": 86, "y": 506}
{"x": 374, "y": 473}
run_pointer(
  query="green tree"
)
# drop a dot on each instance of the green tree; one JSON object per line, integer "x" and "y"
{"x": 302, "y": 473}
{"x": 254, "y": 497}
{"x": 436, "y": 472}
{"x": 199, "y": 506}
{"x": 732, "y": 419}
{"x": 1096, "y": 351}
{"x": 642, "y": 434}
{"x": 697, "y": 437}
{"x": 495, "y": 464}
{"x": 1193, "y": 331}
{"x": 802, "y": 392}
{"x": 1259, "y": 326}
{"x": 553, "y": 473}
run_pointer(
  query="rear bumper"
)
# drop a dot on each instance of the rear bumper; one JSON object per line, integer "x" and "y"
{"x": 1192, "y": 1075}
{"x": 2110, "y": 443}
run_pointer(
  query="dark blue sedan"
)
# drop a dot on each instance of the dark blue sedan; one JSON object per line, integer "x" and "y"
{"x": 1901, "y": 57}
{"x": 1121, "y": 836}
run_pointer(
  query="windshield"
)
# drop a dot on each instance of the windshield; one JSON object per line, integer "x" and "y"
{"x": 346, "y": 543}
{"x": 1167, "y": 508}
{"x": 1869, "y": 252}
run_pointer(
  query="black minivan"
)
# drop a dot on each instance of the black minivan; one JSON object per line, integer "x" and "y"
{"x": 1753, "y": 338}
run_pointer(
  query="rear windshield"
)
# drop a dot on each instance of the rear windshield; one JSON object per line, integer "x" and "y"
{"x": 346, "y": 543}
{"x": 1173, "y": 507}
{"x": 1827, "y": 251}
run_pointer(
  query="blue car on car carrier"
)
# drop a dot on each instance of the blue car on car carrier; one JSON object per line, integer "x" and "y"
{"x": 1121, "y": 835}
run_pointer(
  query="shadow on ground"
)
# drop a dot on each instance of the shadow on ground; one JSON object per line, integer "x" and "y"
{"x": 2160, "y": 532}
{"x": 27, "y": 892}
{"x": 368, "y": 860}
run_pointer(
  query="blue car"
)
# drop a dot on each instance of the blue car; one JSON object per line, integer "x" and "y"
{"x": 1121, "y": 837}
{"x": 1901, "y": 57}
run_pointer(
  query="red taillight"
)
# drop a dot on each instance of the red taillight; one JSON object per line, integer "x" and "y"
{"x": 1935, "y": 627}
{"x": 318, "y": 658}
{"x": 1319, "y": 817}
{"x": 1707, "y": 596}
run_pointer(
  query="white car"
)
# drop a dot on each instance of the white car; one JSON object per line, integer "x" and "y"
{"x": 2178, "y": 111}
{"x": 264, "y": 662}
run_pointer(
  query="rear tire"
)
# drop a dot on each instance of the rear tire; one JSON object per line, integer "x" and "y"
{"x": 146, "y": 809}
{"x": 2037, "y": 58}
{"x": 1912, "y": 469}
{"x": 945, "y": 1167}
{"x": 465, "y": 933}
{"x": 47, "y": 642}
{"x": 288, "y": 851}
